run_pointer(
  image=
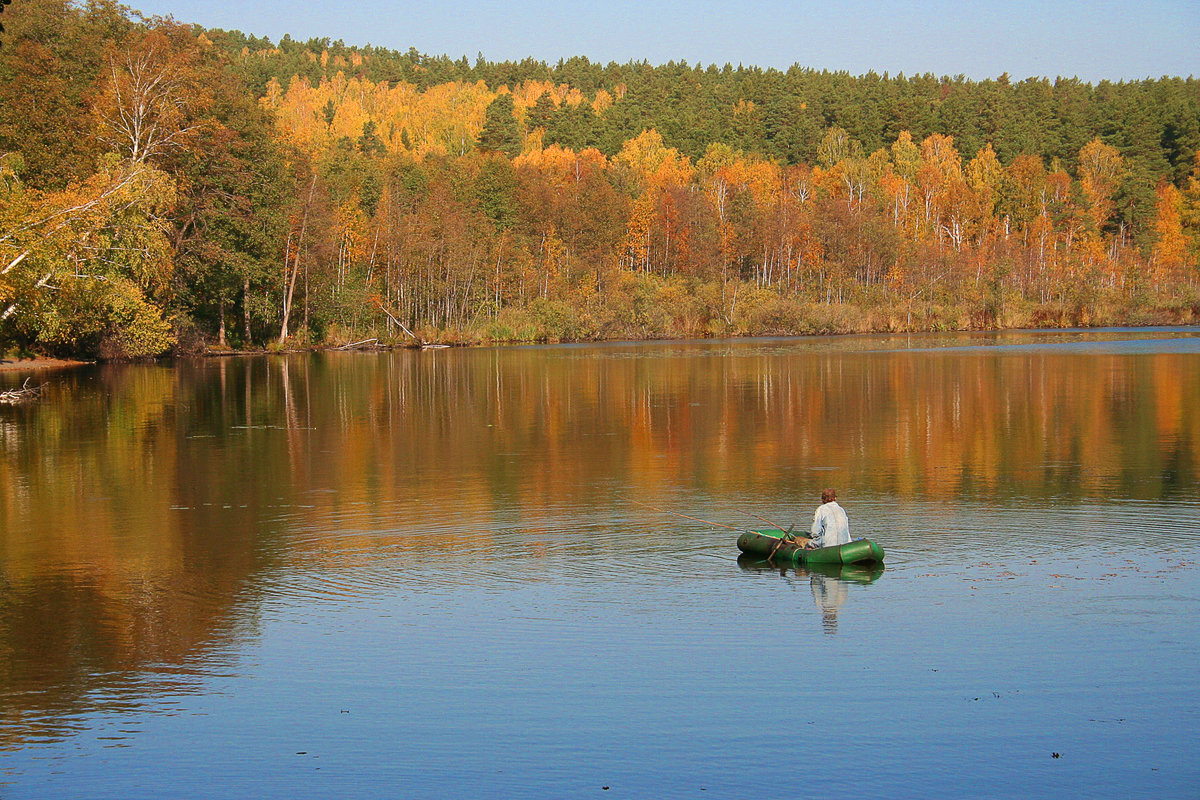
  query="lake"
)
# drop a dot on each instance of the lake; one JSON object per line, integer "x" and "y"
{"x": 461, "y": 573}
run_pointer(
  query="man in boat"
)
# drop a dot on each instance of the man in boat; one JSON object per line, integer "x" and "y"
{"x": 830, "y": 526}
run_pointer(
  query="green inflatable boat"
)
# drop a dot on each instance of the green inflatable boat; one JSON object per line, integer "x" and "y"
{"x": 771, "y": 544}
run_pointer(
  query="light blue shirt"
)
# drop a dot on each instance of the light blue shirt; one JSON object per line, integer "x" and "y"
{"x": 830, "y": 526}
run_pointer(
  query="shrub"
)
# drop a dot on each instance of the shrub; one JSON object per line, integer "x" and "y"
{"x": 136, "y": 328}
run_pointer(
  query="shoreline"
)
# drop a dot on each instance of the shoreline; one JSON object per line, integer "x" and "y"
{"x": 40, "y": 364}
{"x": 47, "y": 364}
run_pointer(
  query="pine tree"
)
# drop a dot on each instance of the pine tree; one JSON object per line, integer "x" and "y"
{"x": 500, "y": 133}
{"x": 542, "y": 112}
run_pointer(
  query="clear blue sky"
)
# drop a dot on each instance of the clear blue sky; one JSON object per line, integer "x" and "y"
{"x": 1101, "y": 39}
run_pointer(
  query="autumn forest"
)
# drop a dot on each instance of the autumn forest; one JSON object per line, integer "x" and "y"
{"x": 166, "y": 188}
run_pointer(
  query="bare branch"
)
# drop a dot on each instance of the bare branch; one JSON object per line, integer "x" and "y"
{"x": 14, "y": 262}
{"x": 109, "y": 191}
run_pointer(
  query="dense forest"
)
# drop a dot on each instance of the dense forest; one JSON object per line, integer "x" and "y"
{"x": 166, "y": 187}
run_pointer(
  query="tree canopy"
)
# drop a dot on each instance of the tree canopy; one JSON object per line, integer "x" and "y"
{"x": 163, "y": 185}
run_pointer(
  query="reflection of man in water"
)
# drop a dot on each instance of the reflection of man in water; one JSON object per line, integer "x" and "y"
{"x": 830, "y": 526}
{"x": 829, "y": 594}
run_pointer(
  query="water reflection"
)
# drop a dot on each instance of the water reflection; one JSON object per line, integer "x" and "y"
{"x": 830, "y": 584}
{"x": 829, "y": 595}
{"x": 148, "y": 513}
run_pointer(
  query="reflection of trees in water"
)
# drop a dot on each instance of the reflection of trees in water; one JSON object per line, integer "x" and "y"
{"x": 543, "y": 425}
{"x": 530, "y": 428}
{"x": 69, "y": 646}
{"x": 103, "y": 575}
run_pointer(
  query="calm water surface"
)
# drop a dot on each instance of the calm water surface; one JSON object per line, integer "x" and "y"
{"x": 430, "y": 575}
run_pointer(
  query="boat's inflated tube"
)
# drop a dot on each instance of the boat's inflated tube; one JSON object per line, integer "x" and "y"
{"x": 771, "y": 544}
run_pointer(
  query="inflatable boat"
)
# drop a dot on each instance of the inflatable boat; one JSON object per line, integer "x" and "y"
{"x": 773, "y": 544}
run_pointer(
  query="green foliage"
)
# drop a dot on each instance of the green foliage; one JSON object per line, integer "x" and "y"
{"x": 369, "y": 143}
{"x": 543, "y": 321}
{"x": 837, "y": 146}
{"x": 772, "y": 315}
{"x": 496, "y": 191}
{"x": 135, "y": 328}
{"x": 107, "y": 319}
{"x": 770, "y": 217}
{"x": 575, "y": 127}
{"x": 542, "y": 113}
{"x": 501, "y": 133}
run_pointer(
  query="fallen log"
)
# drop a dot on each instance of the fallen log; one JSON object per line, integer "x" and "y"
{"x": 355, "y": 345}
{"x": 401, "y": 325}
{"x": 26, "y": 394}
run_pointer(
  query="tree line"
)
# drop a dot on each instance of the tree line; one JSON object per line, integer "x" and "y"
{"x": 164, "y": 186}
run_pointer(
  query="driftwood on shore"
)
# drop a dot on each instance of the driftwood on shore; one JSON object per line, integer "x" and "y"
{"x": 26, "y": 394}
{"x": 365, "y": 344}
{"x": 403, "y": 327}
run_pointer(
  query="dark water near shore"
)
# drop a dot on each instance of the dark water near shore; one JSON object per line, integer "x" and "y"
{"x": 435, "y": 574}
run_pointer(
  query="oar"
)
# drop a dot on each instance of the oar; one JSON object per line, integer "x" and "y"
{"x": 778, "y": 545}
{"x": 787, "y": 535}
{"x": 782, "y": 538}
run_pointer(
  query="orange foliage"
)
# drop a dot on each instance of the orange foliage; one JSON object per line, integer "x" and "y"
{"x": 1171, "y": 248}
{"x": 561, "y": 165}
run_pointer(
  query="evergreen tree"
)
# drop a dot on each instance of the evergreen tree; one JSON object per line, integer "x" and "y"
{"x": 501, "y": 133}
{"x": 369, "y": 143}
{"x": 542, "y": 112}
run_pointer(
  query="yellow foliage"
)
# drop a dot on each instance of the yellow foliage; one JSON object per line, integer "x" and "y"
{"x": 136, "y": 328}
{"x": 533, "y": 140}
{"x": 724, "y": 169}
{"x": 1101, "y": 172}
{"x": 445, "y": 112}
{"x": 652, "y": 165}
{"x": 939, "y": 154}
{"x": 906, "y": 156}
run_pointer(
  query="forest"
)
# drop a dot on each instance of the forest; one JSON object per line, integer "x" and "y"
{"x": 166, "y": 188}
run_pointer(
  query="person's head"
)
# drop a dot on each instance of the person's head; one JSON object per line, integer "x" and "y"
{"x": 828, "y": 495}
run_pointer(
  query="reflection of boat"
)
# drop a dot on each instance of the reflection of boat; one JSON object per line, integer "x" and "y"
{"x": 863, "y": 572}
{"x": 829, "y": 582}
{"x": 769, "y": 543}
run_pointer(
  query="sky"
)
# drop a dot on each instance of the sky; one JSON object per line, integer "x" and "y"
{"x": 1094, "y": 41}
